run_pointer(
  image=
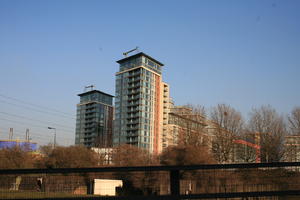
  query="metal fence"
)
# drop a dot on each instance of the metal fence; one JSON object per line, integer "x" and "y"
{"x": 230, "y": 181}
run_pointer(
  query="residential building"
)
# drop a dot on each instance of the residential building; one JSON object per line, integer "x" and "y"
{"x": 292, "y": 145}
{"x": 246, "y": 151}
{"x": 94, "y": 119}
{"x": 167, "y": 137}
{"x": 221, "y": 142}
{"x": 105, "y": 155}
{"x": 139, "y": 103}
{"x": 185, "y": 127}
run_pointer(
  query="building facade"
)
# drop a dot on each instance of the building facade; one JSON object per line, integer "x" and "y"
{"x": 94, "y": 119}
{"x": 292, "y": 145}
{"x": 139, "y": 103}
{"x": 167, "y": 105}
{"x": 184, "y": 127}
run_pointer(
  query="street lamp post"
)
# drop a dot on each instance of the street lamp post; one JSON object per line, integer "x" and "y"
{"x": 54, "y": 141}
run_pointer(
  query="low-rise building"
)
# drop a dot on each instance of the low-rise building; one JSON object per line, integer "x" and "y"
{"x": 23, "y": 144}
{"x": 292, "y": 145}
{"x": 185, "y": 127}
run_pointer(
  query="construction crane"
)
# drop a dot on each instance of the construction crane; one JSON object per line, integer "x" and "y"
{"x": 89, "y": 86}
{"x": 135, "y": 49}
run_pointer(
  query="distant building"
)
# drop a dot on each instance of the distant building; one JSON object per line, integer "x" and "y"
{"x": 246, "y": 151}
{"x": 94, "y": 119}
{"x": 139, "y": 103}
{"x": 23, "y": 144}
{"x": 185, "y": 127}
{"x": 292, "y": 145}
{"x": 221, "y": 142}
{"x": 105, "y": 154}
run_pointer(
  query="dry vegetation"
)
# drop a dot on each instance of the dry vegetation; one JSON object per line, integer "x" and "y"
{"x": 231, "y": 126}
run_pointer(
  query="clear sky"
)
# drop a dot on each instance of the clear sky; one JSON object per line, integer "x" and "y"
{"x": 243, "y": 53}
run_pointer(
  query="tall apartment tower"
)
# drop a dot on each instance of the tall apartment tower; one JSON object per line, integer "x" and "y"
{"x": 94, "y": 119}
{"x": 139, "y": 103}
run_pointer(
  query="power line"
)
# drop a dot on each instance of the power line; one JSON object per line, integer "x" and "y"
{"x": 43, "y": 127}
{"x": 35, "y": 105}
{"x": 36, "y": 110}
{"x": 38, "y": 135}
{"x": 20, "y": 134}
{"x": 22, "y": 117}
{"x": 34, "y": 133}
{"x": 65, "y": 138}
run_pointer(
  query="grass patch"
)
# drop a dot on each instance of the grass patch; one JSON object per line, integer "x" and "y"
{"x": 10, "y": 194}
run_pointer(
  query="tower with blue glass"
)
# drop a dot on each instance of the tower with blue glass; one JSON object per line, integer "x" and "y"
{"x": 94, "y": 121}
{"x": 139, "y": 102}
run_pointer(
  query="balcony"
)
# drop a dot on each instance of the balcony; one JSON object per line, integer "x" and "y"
{"x": 133, "y": 92}
{"x": 132, "y": 138}
{"x": 134, "y": 80}
{"x": 90, "y": 118}
{"x": 133, "y": 115}
{"x": 133, "y": 104}
{"x": 87, "y": 111}
{"x": 132, "y": 122}
{"x": 87, "y": 126}
{"x": 134, "y": 74}
{"x": 133, "y": 86}
{"x": 133, "y": 97}
{"x": 132, "y": 130}
{"x": 132, "y": 109}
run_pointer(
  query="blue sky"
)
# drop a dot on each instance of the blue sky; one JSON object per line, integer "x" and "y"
{"x": 243, "y": 53}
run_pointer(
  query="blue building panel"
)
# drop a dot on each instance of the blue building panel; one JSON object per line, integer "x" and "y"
{"x": 23, "y": 144}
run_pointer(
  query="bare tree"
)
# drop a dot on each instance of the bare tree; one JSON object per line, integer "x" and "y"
{"x": 228, "y": 118}
{"x": 194, "y": 132}
{"x": 14, "y": 158}
{"x": 271, "y": 129}
{"x": 246, "y": 151}
{"x": 294, "y": 121}
{"x": 226, "y": 124}
{"x": 129, "y": 155}
{"x": 186, "y": 155}
{"x": 197, "y": 109}
{"x": 72, "y": 156}
{"x": 190, "y": 125}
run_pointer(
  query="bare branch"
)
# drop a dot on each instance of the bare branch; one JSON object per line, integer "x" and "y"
{"x": 294, "y": 121}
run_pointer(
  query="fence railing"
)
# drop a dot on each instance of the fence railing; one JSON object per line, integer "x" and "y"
{"x": 255, "y": 180}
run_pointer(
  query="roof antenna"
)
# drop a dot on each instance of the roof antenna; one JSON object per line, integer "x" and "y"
{"x": 89, "y": 86}
{"x": 135, "y": 49}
